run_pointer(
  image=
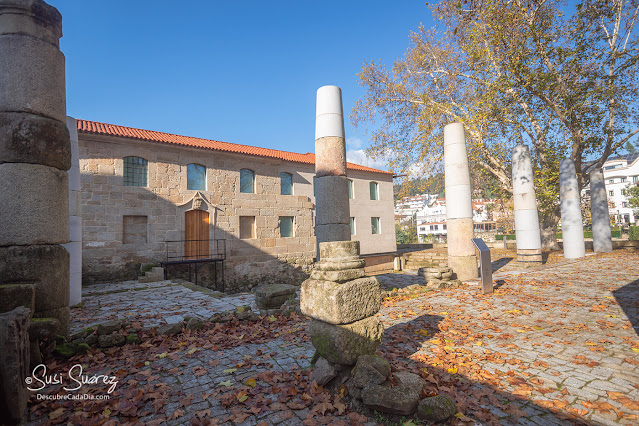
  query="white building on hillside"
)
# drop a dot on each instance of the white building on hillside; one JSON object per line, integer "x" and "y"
{"x": 431, "y": 219}
{"x": 620, "y": 173}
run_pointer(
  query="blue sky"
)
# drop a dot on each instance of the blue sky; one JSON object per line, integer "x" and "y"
{"x": 238, "y": 71}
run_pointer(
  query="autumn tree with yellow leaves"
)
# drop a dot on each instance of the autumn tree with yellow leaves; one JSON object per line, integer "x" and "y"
{"x": 560, "y": 78}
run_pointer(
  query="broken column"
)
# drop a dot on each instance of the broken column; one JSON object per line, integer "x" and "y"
{"x": 332, "y": 212}
{"x": 525, "y": 203}
{"x": 601, "y": 235}
{"x": 35, "y": 156}
{"x": 459, "y": 208}
{"x": 338, "y": 297}
{"x": 74, "y": 246}
{"x": 571, "y": 222}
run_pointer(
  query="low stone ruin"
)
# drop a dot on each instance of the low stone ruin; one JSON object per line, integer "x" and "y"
{"x": 436, "y": 278}
{"x": 275, "y": 298}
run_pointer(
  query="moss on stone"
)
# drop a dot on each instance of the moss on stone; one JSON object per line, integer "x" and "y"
{"x": 83, "y": 348}
{"x": 66, "y": 350}
{"x": 132, "y": 338}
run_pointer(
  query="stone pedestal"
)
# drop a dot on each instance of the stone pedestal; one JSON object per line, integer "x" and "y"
{"x": 525, "y": 203}
{"x": 343, "y": 325}
{"x": 601, "y": 235}
{"x": 571, "y": 221}
{"x": 36, "y": 154}
{"x": 459, "y": 209}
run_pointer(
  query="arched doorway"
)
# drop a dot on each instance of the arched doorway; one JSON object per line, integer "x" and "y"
{"x": 196, "y": 234}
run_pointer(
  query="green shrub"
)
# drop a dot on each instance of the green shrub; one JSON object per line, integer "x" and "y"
{"x": 615, "y": 232}
{"x": 500, "y": 237}
{"x": 588, "y": 234}
{"x": 633, "y": 234}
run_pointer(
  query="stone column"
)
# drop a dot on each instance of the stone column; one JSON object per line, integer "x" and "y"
{"x": 35, "y": 156}
{"x": 459, "y": 209}
{"x": 74, "y": 246}
{"x": 572, "y": 228}
{"x": 332, "y": 211}
{"x": 601, "y": 236}
{"x": 340, "y": 300}
{"x": 526, "y": 216}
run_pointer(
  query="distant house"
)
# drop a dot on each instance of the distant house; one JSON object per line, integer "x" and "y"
{"x": 619, "y": 174}
{"x": 144, "y": 193}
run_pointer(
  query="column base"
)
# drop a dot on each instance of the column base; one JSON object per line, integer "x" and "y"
{"x": 464, "y": 266}
{"x": 529, "y": 256}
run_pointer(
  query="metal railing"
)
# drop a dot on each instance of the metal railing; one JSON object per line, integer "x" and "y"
{"x": 185, "y": 250}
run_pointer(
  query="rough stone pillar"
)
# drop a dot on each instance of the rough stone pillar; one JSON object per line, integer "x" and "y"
{"x": 14, "y": 364}
{"x": 35, "y": 155}
{"x": 601, "y": 235}
{"x": 332, "y": 211}
{"x": 572, "y": 228}
{"x": 74, "y": 246}
{"x": 526, "y": 216}
{"x": 459, "y": 208}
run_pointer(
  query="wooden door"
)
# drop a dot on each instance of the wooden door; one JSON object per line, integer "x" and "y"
{"x": 196, "y": 234}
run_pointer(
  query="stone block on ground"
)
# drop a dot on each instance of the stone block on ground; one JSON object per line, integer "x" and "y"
{"x": 406, "y": 378}
{"x": 194, "y": 323}
{"x": 370, "y": 370}
{"x": 323, "y": 372}
{"x": 341, "y": 303}
{"x": 343, "y": 344}
{"x": 109, "y": 340}
{"x": 400, "y": 400}
{"x": 170, "y": 329}
{"x": 109, "y": 327}
{"x": 43, "y": 328}
{"x": 272, "y": 296}
{"x": 436, "y": 409}
{"x": 14, "y": 295}
{"x": 14, "y": 364}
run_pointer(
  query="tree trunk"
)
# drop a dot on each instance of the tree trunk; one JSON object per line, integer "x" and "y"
{"x": 548, "y": 227}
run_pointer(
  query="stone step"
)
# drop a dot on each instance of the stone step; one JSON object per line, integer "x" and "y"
{"x": 15, "y": 295}
{"x": 155, "y": 274}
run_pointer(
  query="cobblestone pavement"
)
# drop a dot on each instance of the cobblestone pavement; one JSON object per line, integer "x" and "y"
{"x": 558, "y": 339}
{"x": 562, "y": 337}
{"x": 152, "y": 304}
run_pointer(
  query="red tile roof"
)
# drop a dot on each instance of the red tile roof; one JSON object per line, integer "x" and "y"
{"x": 93, "y": 127}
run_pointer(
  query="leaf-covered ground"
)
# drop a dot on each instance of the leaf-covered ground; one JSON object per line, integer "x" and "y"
{"x": 556, "y": 345}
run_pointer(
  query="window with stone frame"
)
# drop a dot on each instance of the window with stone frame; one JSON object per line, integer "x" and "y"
{"x": 247, "y": 181}
{"x": 134, "y": 229}
{"x": 286, "y": 226}
{"x": 375, "y": 225}
{"x": 286, "y": 183}
{"x": 247, "y": 227}
{"x": 374, "y": 191}
{"x": 196, "y": 177}
{"x": 135, "y": 171}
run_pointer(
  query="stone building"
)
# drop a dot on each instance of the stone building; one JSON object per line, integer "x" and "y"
{"x": 141, "y": 189}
